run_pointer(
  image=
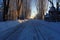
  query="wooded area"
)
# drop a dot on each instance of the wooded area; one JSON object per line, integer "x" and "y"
{"x": 20, "y": 9}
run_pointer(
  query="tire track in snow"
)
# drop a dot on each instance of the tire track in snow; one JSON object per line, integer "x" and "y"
{"x": 39, "y": 34}
{"x": 50, "y": 28}
{"x": 47, "y": 28}
{"x": 16, "y": 33}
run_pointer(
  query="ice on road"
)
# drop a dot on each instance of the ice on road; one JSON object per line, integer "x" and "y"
{"x": 30, "y": 30}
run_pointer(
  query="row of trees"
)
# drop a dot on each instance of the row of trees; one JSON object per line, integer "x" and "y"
{"x": 42, "y": 8}
{"x": 7, "y": 5}
{"x": 5, "y": 9}
{"x": 13, "y": 9}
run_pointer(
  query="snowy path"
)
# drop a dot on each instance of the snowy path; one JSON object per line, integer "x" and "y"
{"x": 32, "y": 30}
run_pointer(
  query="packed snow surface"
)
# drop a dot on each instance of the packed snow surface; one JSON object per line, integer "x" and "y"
{"x": 29, "y": 30}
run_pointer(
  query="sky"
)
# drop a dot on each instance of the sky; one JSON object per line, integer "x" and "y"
{"x": 33, "y": 8}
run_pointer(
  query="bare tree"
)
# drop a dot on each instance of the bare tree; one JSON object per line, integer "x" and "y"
{"x": 19, "y": 6}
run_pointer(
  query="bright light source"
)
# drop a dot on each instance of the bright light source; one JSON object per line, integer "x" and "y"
{"x": 32, "y": 17}
{"x": 33, "y": 9}
{"x": 33, "y": 14}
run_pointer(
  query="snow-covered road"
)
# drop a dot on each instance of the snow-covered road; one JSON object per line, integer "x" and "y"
{"x": 30, "y": 30}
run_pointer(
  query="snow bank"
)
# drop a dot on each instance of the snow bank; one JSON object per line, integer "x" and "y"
{"x": 8, "y": 24}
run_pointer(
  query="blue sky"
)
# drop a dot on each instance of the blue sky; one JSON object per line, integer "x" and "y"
{"x": 33, "y": 8}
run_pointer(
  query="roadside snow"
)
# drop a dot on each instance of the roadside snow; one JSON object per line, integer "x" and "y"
{"x": 8, "y": 24}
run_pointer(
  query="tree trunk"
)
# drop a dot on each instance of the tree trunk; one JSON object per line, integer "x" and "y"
{"x": 5, "y": 10}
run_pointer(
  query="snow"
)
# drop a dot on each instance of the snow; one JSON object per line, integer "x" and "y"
{"x": 29, "y": 30}
{"x": 7, "y": 25}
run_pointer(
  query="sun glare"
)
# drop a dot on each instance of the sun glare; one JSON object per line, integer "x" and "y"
{"x": 33, "y": 9}
{"x": 33, "y": 14}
